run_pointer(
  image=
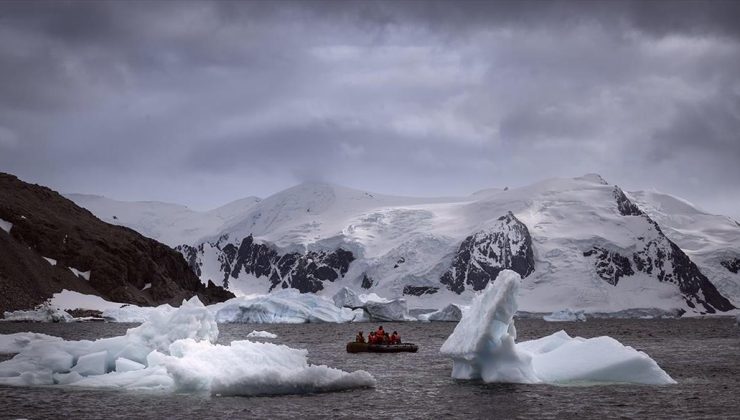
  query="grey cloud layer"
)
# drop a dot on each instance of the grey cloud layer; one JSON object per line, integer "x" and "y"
{"x": 202, "y": 102}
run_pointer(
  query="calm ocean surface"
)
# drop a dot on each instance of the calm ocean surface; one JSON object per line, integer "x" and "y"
{"x": 702, "y": 355}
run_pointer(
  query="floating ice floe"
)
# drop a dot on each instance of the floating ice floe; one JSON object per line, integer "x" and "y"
{"x": 566, "y": 315}
{"x": 42, "y": 313}
{"x": 483, "y": 346}
{"x": 51, "y": 261}
{"x": 172, "y": 351}
{"x": 450, "y": 313}
{"x": 261, "y": 334}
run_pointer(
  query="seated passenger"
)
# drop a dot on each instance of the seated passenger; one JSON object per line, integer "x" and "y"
{"x": 395, "y": 338}
{"x": 380, "y": 332}
{"x": 371, "y": 338}
{"x": 386, "y": 339}
{"x": 359, "y": 338}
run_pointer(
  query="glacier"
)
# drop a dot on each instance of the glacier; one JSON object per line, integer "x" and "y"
{"x": 483, "y": 346}
{"x": 172, "y": 351}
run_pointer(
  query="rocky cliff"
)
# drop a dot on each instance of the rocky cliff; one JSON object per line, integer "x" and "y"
{"x": 52, "y": 244}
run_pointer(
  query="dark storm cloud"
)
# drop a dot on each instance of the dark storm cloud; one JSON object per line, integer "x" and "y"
{"x": 202, "y": 102}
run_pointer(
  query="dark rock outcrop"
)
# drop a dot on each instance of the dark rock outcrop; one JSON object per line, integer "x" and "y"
{"x": 610, "y": 265}
{"x": 481, "y": 256}
{"x": 367, "y": 282}
{"x": 304, "y": 272}
{"x": 420, "y": 290}
{"x": 658, "y": 256}
{"x": 121, "y": 262}
{"x": 732, "y": 265}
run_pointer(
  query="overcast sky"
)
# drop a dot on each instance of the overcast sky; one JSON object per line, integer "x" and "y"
{"x": 201, "y": 103}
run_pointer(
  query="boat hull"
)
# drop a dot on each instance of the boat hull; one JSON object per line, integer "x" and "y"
{"x": 381, "y": 348}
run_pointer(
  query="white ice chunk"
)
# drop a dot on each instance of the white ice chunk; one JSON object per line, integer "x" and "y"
{"x": 84, "y": 274}
{"x": 133, "y": 313}
{"x": 395, "y": 310}
{"x": 482, "y": 347}
{"x": 147, "y": 286}
{"x": 261, "y": 334}
{"x": 15, "y": 343}
{"x": 174, "y": 351}
{"x": 482, "y": 344}
{"x": 51, "y": 261}
{"x": 43, "y": 313}
{"x": 91, "y": 364}
{"x": 250, "y": 368}
{"x": 347, "y": 297}
{"x": 565, "y": 315}
{"x": 558, "y": 358}
{"x": 5, "y": 225}
{"x": 126, "y": 365}
{"x": 450, "y": 313}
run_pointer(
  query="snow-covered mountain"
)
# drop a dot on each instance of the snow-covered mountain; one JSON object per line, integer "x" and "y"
{"x": 172, "y": 224}
{"x": 578, "y": 243}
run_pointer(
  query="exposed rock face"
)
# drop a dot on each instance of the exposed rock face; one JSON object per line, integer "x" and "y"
{"x": 610, "y": 265}
{"x": 304, "y": 272}
{"x": 120, "y": 262}
{"x": 367, "y": 282}
{"x": 481, "y": 256}
{"x": 624, "y": 205}
{"x": 733, "y": 265}
{"x": 420, "y": 290}
{"x": 658, "y": 256}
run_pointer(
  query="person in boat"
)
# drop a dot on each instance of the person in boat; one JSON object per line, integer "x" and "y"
{"x": 386, "y": 338}
{"x": 395, "y": 338}
{"x": 380, "y": 333}
{"x": 359, "y": 338}
{"x": 371, "y": 337}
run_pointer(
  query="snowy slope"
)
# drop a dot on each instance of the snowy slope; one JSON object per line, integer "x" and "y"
{"x": 172, "y": 224}
{"x": 590, "y": 245}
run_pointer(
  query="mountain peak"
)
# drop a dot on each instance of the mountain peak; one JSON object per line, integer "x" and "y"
{"x": 592, "y": 177}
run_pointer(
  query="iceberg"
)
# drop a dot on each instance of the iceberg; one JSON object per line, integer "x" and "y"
{"x": 172, "y": 351}
{"x": 377, "y": 308}
{"x": 261, "y": 334}
{"x": 283, "y": 307}
{"x": 450, "y": 313}
{"x": 483, "y": 346}
{"x": 42, "y": 313}
{"x": 566, "y": 315}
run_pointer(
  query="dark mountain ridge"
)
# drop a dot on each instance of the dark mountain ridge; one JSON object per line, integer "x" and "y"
{"x": 123, "y": 265}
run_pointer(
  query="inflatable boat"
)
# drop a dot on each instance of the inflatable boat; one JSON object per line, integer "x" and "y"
{"x": 353, "y": 347}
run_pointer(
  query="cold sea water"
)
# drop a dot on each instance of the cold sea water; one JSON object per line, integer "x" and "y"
{"x": 703, "y": 355}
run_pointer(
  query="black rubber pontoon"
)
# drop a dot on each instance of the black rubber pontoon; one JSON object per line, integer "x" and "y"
{"x": 353, "y": 347}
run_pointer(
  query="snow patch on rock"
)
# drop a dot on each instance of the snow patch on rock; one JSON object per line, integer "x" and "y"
{"x": 5, "y": 225}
